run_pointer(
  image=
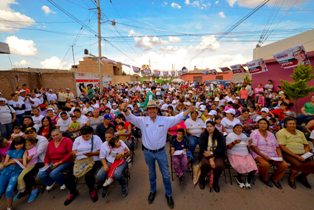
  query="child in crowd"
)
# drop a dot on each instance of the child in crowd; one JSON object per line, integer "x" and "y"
{"x": 17, "y": 131}
{"x": 219, "y": 126}
{"x": 273, "y": 125}
{"x": 37, "y": 118}
{"x": 4, "y": 147}
{"x": 12, "y": 169}
{"x": 179, "y": 148}
{"x": 28, "y": 161}
{"x": 74, "y": 127}
{"x": 118, "y": 149}
{"x": 121, "y": 130}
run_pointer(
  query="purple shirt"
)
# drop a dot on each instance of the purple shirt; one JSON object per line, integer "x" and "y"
{"x": 32, "y": 152}
{"x": 266, "y": 145}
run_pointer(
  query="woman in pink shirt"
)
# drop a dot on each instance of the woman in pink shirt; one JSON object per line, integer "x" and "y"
{"x": 257, "y": 91}
{"x": 267, "y": 153}
{"x": 244, "y": 94}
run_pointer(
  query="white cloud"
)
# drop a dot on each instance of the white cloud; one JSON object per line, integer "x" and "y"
{"x": 222, "y": 14}
{"x": 254, "y": 3}
{"x": 148, "y": 43}
{"x": 22, "y": 62}
{"x": 174, "y": 39}
{"x": 46, "y": 10}
{"x": 187, "y": 2}
{"x": 169, "y": 49}
{"x": 216, "y": 2}
{"x": 21, "y": 46}
{"x": 201, "y": 4}
{"x": 208, "y": 43}
{"x": 131, "y": 32}
{"x": 54, "y": 63}
{"x": 11, "y": 20}
{"x": 175, "y": 5}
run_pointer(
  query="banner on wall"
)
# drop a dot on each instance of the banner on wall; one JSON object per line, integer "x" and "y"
{"x": 173, "y": 73}
{"x": 238, "y": 68}
{"x": 292, "y": 57}
{"x": 257, "y": 66}
{"x": 147, "y": 71}
{"x": 165, "y": 73}
{"x": 209, "y": 71}
{"x": 225, "y": 69}
{"x": 84, "y": 79}
{"x": 156, "y": 73}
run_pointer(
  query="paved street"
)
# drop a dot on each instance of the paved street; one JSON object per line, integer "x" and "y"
{"x": 186, "y": 196}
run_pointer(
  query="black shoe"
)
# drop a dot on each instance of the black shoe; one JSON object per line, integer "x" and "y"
{"x": 304, "y": 181}
{"x": 151, "y": 197}
{"x": 267, "y": 183}
{"x": 170, "y": 202}
{"x": 201, "y": 185}
{"x": 124, "y": 191}
{"x": 292, "y": 184}
{"x": 216, "y": 188}
{"x": 104, "y": 191}
{"x": 277, "y": 184}
{"x": 181, "y": 179}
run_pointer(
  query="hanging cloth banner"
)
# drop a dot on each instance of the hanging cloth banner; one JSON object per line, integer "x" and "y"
{"x": 156, "y": 73}
{"x": 257, "y": 66}
{"x": 292, "y": 57}
{"x": 136, "y": 69}
{"x": 225, "y": 69}
{"x": 236, "y": 69}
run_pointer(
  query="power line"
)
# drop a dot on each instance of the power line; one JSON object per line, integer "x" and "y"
{"x": 72, "y": 16}
{"x": 237, "y": 24}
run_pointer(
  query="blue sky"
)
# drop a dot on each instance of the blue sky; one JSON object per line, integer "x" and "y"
{"x": 163, "y": 33}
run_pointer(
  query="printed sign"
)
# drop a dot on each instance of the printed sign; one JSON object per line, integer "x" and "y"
{"x": 292, "y": 57}
{"x": 257, "y": 66}
{"x": 236, "y": 69}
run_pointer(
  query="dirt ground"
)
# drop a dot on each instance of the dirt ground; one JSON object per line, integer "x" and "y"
{"x": 186, "y": 197}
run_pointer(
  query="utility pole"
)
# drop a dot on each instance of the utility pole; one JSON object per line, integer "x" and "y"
{"x": 101, "y": 84}
{"x": 73, "y": 54}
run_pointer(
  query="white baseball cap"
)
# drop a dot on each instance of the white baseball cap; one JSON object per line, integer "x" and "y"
{"x": 212, "y": 112}
{"x": 202, "y": 108}
{"x": 265, "y": 109}
{"x": 231, "y": 111}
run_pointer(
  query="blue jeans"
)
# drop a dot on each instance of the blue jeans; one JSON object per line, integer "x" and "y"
{"x": 118, "y": 174}
{"x": 7, "y": 184}
{"x": 19, "y": 119}
{"x": 193, "y": 142}
{"x": 162, "y": 160}
{"x": 48, "y": 177}
{"x": 6, "y": 129}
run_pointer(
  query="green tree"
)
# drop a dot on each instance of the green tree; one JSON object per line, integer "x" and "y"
{"x": 299, "y": 88}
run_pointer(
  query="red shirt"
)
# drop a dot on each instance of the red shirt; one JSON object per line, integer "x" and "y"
{"x": 61, "y": 153}
{"x": 279, "y": 113}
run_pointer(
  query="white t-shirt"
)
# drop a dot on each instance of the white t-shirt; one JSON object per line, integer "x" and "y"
{"x": 238, "y": 149}
{"x": 229, "y": 124}
{"x": 36, "y": 101}
{"x": 5, "y": 114}
{"x": 37, "y": 121}
{"x": 19, "y": 104}
{"x": 110, "y": 153}
{"x": 28, "y": 104}
{"x": 51, "y": 96}
{"x": 81, "y": 147}
{"x": 82, "y": 120}
{"x": 63, "y": 124}
{"x": 195, "y": 128}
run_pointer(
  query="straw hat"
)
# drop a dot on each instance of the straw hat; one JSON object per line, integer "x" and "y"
{"x": 152, "y": 104}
